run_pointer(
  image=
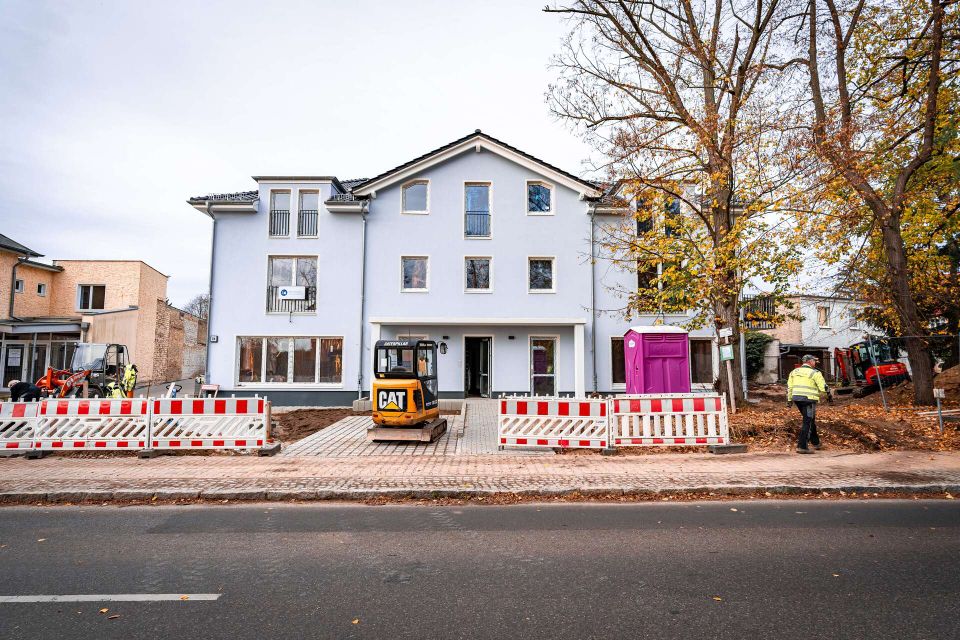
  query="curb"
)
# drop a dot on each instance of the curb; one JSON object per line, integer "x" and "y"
{"x": 356, "y": 495}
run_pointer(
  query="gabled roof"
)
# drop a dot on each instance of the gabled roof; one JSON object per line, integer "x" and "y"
{"x": 478, "y": 140}
{"x": 14, "y": 246}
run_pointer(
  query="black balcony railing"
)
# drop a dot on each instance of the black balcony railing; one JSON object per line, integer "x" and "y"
{"x": 478, "y": 225}
{"x": 276, "y": 304}
{"x": 307, "y": 222}
{"x": 279, "y": 222}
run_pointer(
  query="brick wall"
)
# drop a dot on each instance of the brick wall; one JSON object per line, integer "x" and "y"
{"x": 179, "y": 345}
{"x": 31, "y": 304}
{"x": 7, "y": 260}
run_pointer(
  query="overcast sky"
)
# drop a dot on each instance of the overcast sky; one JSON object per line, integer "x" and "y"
{"x": 113, "y": 113}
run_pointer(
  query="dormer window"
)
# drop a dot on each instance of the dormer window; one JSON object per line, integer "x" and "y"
{"x": 416, "y": 197}
{"x": 539, "y": 198}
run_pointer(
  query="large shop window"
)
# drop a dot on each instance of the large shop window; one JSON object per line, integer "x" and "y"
{"x": 290, "y": 360}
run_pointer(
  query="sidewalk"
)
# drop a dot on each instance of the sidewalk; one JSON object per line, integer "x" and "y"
{"x": 247, "y": 477}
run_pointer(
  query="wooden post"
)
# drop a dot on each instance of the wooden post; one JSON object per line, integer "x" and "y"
{"x": 733, "y": 398}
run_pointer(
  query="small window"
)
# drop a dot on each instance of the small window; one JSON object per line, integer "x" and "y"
{"x": 823, "y": 316}
{"x": 41, "y": 289}
{"x": 541, "y": 275}
{"x": 307, "y": 214}
{"x": 618, "y": 367}
{"x": 476, "y": 272}
{"x": 414, "y": 273}
{"x": 18, "y": 285}
{"x": 539, "y": 198}
{"x": 91, "y": 296}
{"x": 855, "y": 319}
{"x": 291, "y": 271}
{"x": 416, "y": 197}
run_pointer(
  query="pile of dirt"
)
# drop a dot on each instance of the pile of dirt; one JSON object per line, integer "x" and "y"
{"x": 291, "y": 426}
{"x": 849, "y": 423}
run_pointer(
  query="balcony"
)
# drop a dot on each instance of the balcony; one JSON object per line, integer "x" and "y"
{"x": 276, "y": 304}
{"x": 307, "y": 222}
{"x": 279, "y": 223}
{"x": 477, "y": 224}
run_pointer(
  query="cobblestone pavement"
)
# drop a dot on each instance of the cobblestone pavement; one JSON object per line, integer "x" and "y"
{"x": 474, "y": 432}
{"x": 248, "y": 477}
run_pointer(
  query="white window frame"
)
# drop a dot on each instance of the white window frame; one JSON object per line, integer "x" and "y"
{"x": 287, "y": 385}
{"x": 80, "y": 296}
{"x": 18, "y": 285}
{"x": 829, "y": 316}
{"x": 293, "y": 274}
{"x": 419, "y": 256}
{"x": 556, "y": 360}
{"x": 290, "y": 212}
{"x": 855, "y": 323}
{"x": 618, "y": 386}
{"x": 489, "y": 289}
{"x": 552, "y": 259}
{"x": 463, "y": 207}
{"x": 295, "y": 228}
{"x": 553, "y": 201}
{"x": 414, "y": 212}
{"x": 42, "y": 289}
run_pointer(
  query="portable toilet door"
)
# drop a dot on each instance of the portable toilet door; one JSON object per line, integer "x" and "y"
{"x": 657, "y": 360}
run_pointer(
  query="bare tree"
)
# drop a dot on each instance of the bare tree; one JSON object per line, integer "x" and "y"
{"x": 684, "y": 101}
{"x": 199, "y": 305}
{"x": 876, "y": 72}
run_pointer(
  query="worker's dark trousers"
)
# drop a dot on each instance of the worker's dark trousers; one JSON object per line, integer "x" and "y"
{"x": 808, "y": 409}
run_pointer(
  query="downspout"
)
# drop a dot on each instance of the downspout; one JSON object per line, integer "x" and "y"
{"x": 593, "y": 297}
{"x": 13, "y": 284}
{"x": 213, "y": 253}
{"x": 363, "y": 298}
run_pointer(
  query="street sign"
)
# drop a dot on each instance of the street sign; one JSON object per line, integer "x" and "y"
{"x": 726, "y": 332}
{"x": 726, "y": 352}
{"x": 939, "y": 393}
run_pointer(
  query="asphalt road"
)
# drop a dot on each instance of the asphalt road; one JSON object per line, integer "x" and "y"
{"x": 720, "y": 570}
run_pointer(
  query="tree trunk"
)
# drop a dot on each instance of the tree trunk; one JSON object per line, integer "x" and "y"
{"x": 918, "y": 349}
{"x": 727, "y": 314}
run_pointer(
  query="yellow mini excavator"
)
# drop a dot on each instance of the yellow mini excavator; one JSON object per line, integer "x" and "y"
{"x": 405, "y": 403}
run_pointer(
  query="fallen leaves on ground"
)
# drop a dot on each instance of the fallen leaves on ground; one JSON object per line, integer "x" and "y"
{"x": 113, "y": 617}
{"x": 104, "y": 610}
{"x": 718, "y": 598}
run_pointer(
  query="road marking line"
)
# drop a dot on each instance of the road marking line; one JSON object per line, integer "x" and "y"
{"x": 113, "y": 597}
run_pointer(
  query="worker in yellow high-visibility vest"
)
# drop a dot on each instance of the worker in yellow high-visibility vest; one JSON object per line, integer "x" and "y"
{"x": 804, "y": 387}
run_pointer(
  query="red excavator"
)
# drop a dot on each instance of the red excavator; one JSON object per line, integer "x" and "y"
{"x": 98, "y": 365}
{"x": 864, "y": 366}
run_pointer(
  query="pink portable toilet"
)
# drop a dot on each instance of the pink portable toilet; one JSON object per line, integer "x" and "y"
{"x": 657, "y": 359}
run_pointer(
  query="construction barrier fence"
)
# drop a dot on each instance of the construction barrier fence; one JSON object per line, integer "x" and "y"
{"x": 636, "y": 420}
{"x": 135, "y": 424}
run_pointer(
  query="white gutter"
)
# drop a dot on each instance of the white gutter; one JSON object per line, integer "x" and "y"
{"x": 363, "y": 298}
{"x": 213, "y": 253}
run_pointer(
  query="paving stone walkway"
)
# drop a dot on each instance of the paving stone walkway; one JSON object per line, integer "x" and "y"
{"x": 65, "y": 478}
{"x": 473, "y": 432}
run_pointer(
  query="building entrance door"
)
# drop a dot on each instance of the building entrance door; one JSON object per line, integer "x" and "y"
{"x": 476, "y": 364}
{"x": 14, "y": 363}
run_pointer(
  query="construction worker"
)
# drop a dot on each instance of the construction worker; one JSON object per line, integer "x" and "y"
{"x": 129, "y": 380}
{"x": 804, "y": 387}
{"x": 23, "y": 391}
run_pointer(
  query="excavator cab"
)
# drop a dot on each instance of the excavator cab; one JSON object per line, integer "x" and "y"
{"x": 406, "y": 405}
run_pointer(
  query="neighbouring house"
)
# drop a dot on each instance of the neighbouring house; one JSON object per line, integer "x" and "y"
{"x": 477, "y": 245}
{"x": 815, "y": 325}
{"x": 45, "y": 309}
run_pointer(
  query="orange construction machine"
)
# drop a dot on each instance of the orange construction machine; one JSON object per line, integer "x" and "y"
{"x": 864, "y": 366}
{"x": 102, "y": 366}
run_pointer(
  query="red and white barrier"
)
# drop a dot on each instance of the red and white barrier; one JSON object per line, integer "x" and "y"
{"x": 18, "y": 421}
{"x": 208, "y": 423}
{"x": 134, "y": 424}
{"x": 92, "y": 424}
{"x": 669, "y": 420}
{"x": 625, "y": 421}
{"x": 552, "y": 423}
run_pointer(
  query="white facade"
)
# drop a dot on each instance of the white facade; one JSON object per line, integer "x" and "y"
{"x": 361, "y": 241}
